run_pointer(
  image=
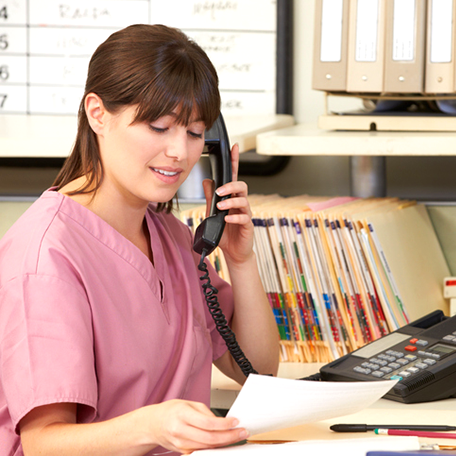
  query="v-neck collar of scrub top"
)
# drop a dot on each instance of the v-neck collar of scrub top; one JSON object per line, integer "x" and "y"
{"x": 153, "y": 273}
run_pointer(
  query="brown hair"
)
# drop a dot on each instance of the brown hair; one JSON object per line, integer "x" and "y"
{"x": 155, "y": 67}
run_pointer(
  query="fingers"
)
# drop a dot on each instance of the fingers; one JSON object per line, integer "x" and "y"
{"x": 190, "y": 425}
{"x": 235, "y": 161}
{"x": 238, "y": 188}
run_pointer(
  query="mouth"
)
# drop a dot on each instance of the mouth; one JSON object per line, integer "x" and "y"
{"x": 165, "y": 173}
{"x": 167, "y": 176}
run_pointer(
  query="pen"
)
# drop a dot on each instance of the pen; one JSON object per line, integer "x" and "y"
{"x": 432, "y": 435}
{"x": 372, "y": 427}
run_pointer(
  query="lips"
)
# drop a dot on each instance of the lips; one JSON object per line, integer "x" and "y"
{"x": 165, "y": 173}
{"x": 168, "y": 176}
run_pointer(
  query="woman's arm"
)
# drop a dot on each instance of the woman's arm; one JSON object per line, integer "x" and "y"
{"x": 177, "y": 425}
{"x": 253, "y": 321}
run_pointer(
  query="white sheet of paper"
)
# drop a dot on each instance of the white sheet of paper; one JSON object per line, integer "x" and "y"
{"x": 269, "y": 403}
{"x": 346, "y": 447}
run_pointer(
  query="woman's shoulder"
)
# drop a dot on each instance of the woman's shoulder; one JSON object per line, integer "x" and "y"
{"x": 25, "y": 237}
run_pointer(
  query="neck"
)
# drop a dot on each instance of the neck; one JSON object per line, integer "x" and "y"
{"x": 123, "y": 214}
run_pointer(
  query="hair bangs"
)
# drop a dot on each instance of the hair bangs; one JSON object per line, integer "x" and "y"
{"x": 183, "y": 90}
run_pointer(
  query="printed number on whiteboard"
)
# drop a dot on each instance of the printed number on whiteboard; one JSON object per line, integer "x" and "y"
{"x": 3, "y": 12}
{"x": 4, "y": 73}
{"x": 3, "y": 97}
{"x": 3, "y": 42}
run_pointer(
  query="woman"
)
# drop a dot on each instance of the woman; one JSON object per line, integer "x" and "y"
{"x": 106, "y": 342}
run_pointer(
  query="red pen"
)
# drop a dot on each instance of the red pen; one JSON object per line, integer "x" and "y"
{"x": 440, "y": 435}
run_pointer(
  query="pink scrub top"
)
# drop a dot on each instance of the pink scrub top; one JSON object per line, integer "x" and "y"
{"x": 85, "y": 317}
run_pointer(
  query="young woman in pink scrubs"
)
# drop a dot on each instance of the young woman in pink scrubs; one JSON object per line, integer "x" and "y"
{"x": 106, "y": 341}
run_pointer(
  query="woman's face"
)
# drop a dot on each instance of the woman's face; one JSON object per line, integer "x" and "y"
{"x": 149, "y": 161}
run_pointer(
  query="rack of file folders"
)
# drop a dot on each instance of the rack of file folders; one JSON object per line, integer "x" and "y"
{"x": 341, "y": 272}
{"x": 398, "y": 56}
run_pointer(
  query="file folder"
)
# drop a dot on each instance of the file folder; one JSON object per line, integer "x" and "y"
{"x": 330, "y": 45}
{"x": 366, "y": 47}
{"x": 440, "y": 52}
{"x": 405, "y": 46}
{"x": 341, "y": 272}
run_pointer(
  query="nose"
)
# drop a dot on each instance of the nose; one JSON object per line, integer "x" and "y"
{"x": 177, "y": 146}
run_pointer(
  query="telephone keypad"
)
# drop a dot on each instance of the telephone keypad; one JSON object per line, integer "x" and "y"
{"x": 394, "y": 364}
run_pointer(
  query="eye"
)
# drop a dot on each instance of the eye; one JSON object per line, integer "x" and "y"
{"x": 195, "y": 135}
{"x": 157, "y": 129}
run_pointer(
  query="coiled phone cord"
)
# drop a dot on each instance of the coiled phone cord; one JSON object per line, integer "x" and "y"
{"x": 210, "y": 293}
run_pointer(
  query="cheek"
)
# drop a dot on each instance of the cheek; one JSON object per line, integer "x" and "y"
{"x": 194, "y": 154}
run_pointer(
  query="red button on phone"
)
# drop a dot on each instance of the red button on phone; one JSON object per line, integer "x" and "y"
{"x": 413, "y": 341}
{"x": 410, "y": 348}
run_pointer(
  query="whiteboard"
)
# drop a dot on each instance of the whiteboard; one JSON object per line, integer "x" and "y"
{"x": 46, "y": 45}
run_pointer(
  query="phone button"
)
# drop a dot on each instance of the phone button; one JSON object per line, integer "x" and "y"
{"x": 410, "y": 348}
{"x": 422, "y": 343}
{"x": 429, "y": 361}
{"x": 378, "y": 374}
{"x": 414, "y": 340}
{"x": 405, "y": 374}
{"x": 360, "y": 370}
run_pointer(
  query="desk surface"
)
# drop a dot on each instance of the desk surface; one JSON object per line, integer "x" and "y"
{"x": 383, "y": 411}
{"x": 35, "y": 136}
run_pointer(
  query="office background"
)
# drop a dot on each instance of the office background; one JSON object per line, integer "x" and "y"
{"x": 424, "y": 178}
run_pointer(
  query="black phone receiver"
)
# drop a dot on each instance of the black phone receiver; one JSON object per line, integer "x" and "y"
{"x": 209, "y": 233}
{"x": 217, "y": 145}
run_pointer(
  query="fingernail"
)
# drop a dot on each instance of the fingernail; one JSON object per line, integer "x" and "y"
{"x": 221, "y": 205}
{"x": 220, "y": 191}
{"x": 235, "y": 422}
{"x": 244, "y": 434}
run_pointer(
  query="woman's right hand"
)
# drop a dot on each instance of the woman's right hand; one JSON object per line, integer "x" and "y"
{"x": 186, "y": 426}
{"x": 177, "y": 425}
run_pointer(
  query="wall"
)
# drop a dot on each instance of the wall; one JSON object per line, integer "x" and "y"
{"x": 423, "y": 178}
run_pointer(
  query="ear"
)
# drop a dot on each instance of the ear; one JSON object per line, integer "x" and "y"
{"x": 95, "y": 112}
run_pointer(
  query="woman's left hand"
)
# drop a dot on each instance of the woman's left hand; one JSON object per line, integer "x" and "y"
{"x": 237, "y": 239}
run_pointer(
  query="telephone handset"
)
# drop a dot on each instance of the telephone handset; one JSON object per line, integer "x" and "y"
{"x": 209, "y": 232}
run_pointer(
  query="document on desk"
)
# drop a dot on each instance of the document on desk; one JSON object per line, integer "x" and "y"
{"x": 346, "y": 447}
{"x": 269, "y": 403}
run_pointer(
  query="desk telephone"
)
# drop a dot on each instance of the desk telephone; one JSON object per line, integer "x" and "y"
{"x": 422, "y": 355}
{"x": 209, "y": 232}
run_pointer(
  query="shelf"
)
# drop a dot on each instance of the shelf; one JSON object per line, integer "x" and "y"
{"x": 308, "y": 139}
{"x": 367, "y": 150}
{"x": 35, "y": 136}
{"x": 388, "y": 122}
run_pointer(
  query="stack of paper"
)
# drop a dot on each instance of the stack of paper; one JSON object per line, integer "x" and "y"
{"x": 296, "y": 402}
{"x": 342, "y": 272}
